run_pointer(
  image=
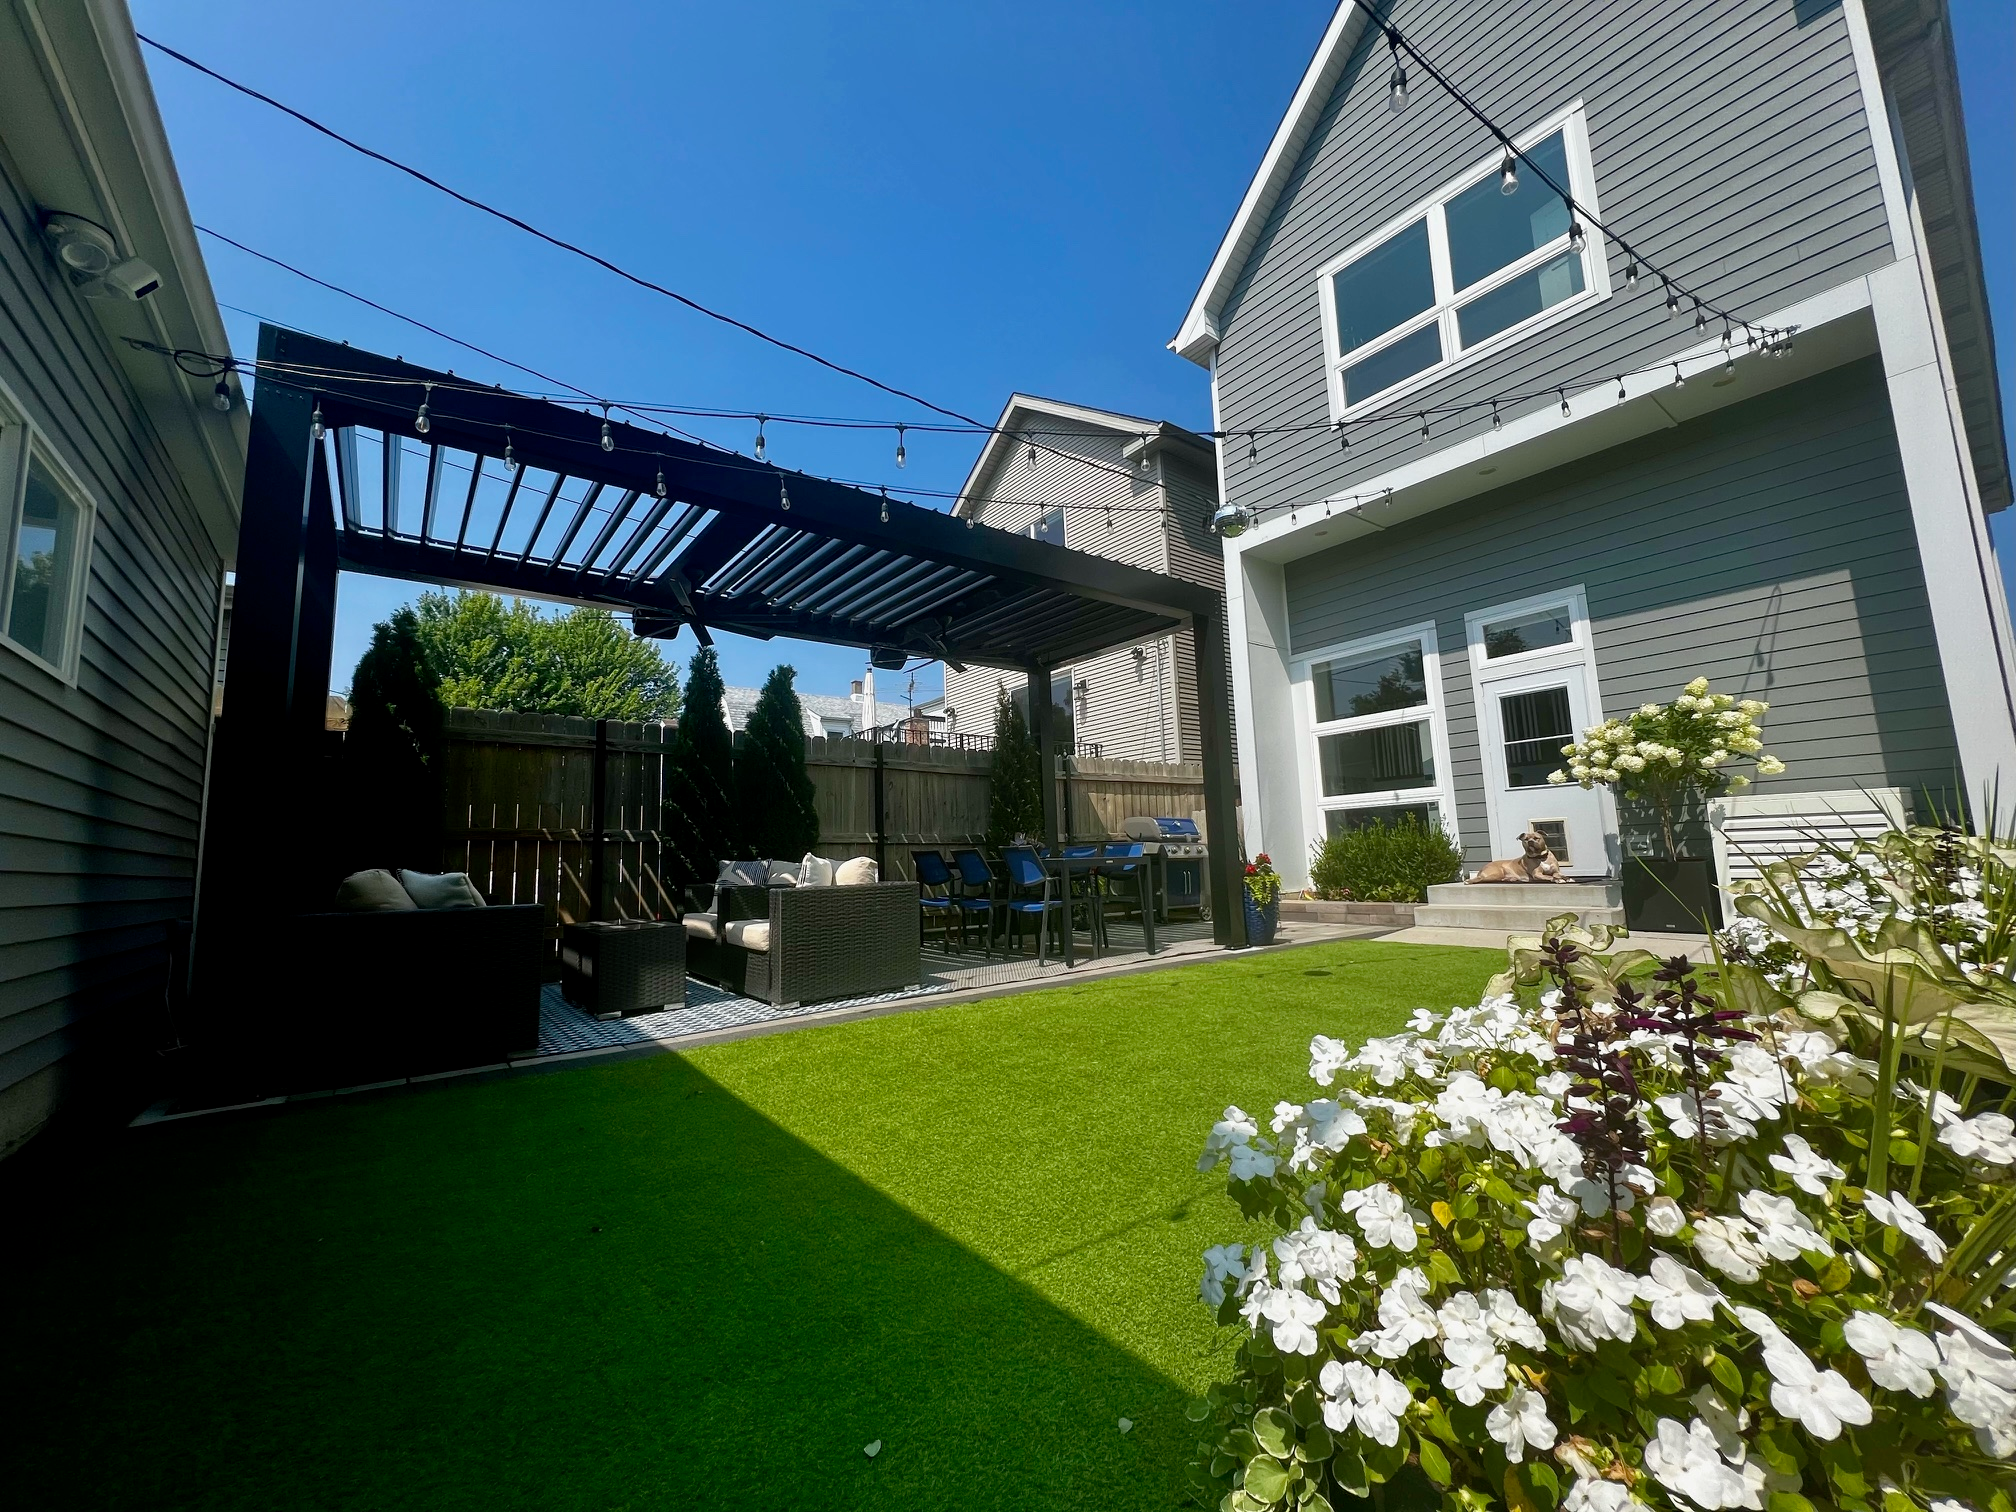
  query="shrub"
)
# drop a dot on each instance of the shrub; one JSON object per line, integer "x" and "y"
{"x": 1382, "y": 864}
{"x": 1015, "y": 784}
{"x": 779, "y": 811}
{"x": 1630, "y": 1243}
{"x": 392, "y": 754}
{"x": 700, "y": 810}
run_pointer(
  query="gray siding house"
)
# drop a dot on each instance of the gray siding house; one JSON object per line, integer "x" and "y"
{"x": 119, "y": 483}
{"x": 1138, "y": 491}
{"x": 1497, "y": 491}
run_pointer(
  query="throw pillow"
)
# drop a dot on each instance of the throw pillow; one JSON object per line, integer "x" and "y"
{"x": 815, "y": 871}
{"x": 784, "y": 874}
{"x": 743, "y": 873}
{"x": 443, "y": 890}
{"x": 375, "y": 891}
{"x": 858, "y": 872}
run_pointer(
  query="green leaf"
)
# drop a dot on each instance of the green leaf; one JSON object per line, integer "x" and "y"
{"x": 1904, "y": 1153}
{"x": 1442, "y": 1267}
{"x": 1504, "y": 1078}
{"x": 1662, "y": 1380}
{"x": 1383, "y": 1461}
{"x": 1198, "y": 1410}
{"x": 1222, "y": 1465}
{"x": 1498, "y": 1190}
{"x": 1727, "y": 1375}
{"x": 1468, "y": 1234}
{"x": 1542, "y": 1476}
{"x": 1347, "y": 1468}
{"x": 1836, "y": 1274}
{"x": 1267, "y": 1480}
{"x": 1466, "y": 1204}
{"x": 1315, "y": 1501}
{"x": 1790, "y": 1501}
{"x": 1274, "y": 1430}
{"x": 1429, "y": 1163}
{"x": 1316, "y": 1446}
{"x": 1305, "y": 1409}
{"x": 1443, "y": 1213}
{"x": 1434, "y": 1463}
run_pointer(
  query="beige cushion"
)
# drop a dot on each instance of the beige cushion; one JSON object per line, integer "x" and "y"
{"x": 443, "y": 890}
{"x": 376, "y": 891}
{"x": 702, "y": 927}
{"x": 750, "y": 934}
{"x": 858, "y": 872}
{"x": 815, "y": 871}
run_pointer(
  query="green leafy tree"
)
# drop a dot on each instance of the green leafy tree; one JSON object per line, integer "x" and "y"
{"x": 700, "y": 787}
{"x": 583, "y": 662}
{"x": 1015, "y": 788}
{"x": 780, "y": 820}
{"x": 392, "y": 755}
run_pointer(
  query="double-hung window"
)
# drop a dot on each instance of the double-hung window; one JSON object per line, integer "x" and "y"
{"x": 45, "y": 530}
{"x": 1469, "y": 270}
{"x": 1378, "y": 747}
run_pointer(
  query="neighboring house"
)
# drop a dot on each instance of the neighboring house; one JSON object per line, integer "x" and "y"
{"x": 1421, "y": 620}
{"x": 1138, "y": 491}
{"x": 825, "y": 716}
{"x": 119, "y": 488}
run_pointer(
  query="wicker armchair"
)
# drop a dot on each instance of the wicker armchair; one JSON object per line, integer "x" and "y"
{"x": 815, "y": 944}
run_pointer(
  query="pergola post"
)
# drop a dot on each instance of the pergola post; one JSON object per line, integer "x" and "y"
{"x": 1221, "y": 794}
{"x": 316, "y": 617}
{"x": 1043, "y": 725}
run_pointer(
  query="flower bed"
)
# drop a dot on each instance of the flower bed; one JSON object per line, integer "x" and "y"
{"x": 1611, "y": 1237}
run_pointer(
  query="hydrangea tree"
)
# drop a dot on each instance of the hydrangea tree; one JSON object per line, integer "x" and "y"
{"x": 1628, "y": 1232}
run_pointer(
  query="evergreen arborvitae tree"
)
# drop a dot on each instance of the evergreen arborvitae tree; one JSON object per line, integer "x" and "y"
{"x": 393, "y": 752}
{"x": 780, "y": 818}
{"x": 1015, "y": 789}
{"x": 699, "y": 790}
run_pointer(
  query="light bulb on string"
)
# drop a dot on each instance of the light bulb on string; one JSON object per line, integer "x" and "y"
{"x": 1700, "y": 316}
{"x": 1631, "y": 274}
{"x": 1424, "y": 426}
{"x": 314, "y": 420}
{"x": 510, "y": 461}
{"x": 885, "y": 503}
{"x": 660, "y": 489}
{"x": 1497, "y": 424}
{"x": 420, "y": 421}
{"x": 1578, "y": 239}
{"x": 1343, "y": 440}
{"x": 1508, "y": 175}
{"x": 783, "y": 495}
{"x": 1032, "y": 447}
{"x": 902, "y": 457}
{"x": 1620, "y": 388}
{"x": 1672, "y": 301}
{"x": 1252, "y": 446}
{"x": 1396, "y": 84}
{"x": 220, "y": 397}
{"x": 1727, "y": 334}
{"x": 1679, "y": 378}
{"x": 762, "y": 442}
{"x": 608, "y": 436}
{"x": 1564, "y": 403}
{"x": 1140, "y": 461}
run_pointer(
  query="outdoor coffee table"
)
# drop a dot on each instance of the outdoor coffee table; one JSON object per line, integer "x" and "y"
{"x": 617, "y": 970}
{"x": 1066, "y": 867}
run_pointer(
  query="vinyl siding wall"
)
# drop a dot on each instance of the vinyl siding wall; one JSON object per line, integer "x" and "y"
{"x": 101, "y": 784}
{"x": 1728, "y": 141}
{"x": 1768, "y": 547}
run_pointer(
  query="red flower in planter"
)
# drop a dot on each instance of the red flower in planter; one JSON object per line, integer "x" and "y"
{"x": 1264, "y": 859}
{"x": 1252, "y": 870}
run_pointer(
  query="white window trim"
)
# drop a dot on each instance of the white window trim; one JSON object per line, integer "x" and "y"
{"x": 1307, "y": 729}
{"x": 1580, "y": 651}
{"x": 1574, "y": 127}
{"x": 19, "y": 437}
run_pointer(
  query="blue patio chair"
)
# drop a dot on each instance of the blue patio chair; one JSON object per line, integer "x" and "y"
{"x": 1083, "y": 885}
{"x": 977, "y": 894}
{"x": 1031, "y": 892}
{"x": 1126, "y": 877}
{"x": 932, "y": 873}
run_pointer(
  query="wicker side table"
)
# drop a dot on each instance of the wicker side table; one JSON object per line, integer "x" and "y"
{"x": 617, "y": 970}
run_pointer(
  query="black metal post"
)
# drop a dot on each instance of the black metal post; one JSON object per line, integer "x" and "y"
{"x": 598, "y": 817}
{"x": 1043, "y": 725}
{"x": 881, "y": 815}
{"x": 317, "y": 613}
{"x": 1221, "y": 787}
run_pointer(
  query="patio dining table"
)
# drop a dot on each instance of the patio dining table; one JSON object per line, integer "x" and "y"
{"x": 1064, "y": 868}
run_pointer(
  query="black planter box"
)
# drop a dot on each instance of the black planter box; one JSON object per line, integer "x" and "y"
{"x": 616, "y": 970}
{"x": 1671, "y": 897}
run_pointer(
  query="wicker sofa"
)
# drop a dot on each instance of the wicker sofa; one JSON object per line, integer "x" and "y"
{"x": 792, "y": 945}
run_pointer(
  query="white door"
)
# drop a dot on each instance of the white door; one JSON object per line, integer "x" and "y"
{"x": 1526, "y": 720}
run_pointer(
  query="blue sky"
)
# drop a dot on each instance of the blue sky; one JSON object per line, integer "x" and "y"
{"x": 963, "y": 200}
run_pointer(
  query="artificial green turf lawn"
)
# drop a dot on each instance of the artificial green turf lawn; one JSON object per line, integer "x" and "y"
{"x": 707, "y": 1279}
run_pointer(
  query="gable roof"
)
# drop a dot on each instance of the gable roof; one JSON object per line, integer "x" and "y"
{"x": 1198, "y": 334}
{"x": 1031, "y": 410}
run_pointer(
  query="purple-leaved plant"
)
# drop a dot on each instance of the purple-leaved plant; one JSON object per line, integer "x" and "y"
{"x": 1606, "y": 1128}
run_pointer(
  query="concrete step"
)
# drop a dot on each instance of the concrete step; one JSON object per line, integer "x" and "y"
{"x": 1554, "y": 897}
{"x": 1510, "y": 918}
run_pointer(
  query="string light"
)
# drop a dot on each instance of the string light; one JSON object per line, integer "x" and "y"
{"x": 1631, "y": 274}
{"x": 902, "y": 457}
{"x": 660, "y": 490}
{"x": 511, "y": 462}
{"x": 1578, "y": 239}
{"x": 314, "y": 420}
{"x": 1496, "y": 423}
{"x": 1564, "y": 402}
{"x": 1141, "y": 461}
{"x": 783, "y": 495}
{"x": 1032, "y": 448}
{"x": 1343, "y": 440}
{"x": 1252, "y": 446}
{"x": 1620, "y": 388}
{"x": 1672, "y": 301}
{"x": 762, "y": 445}
{"x": 608, "y": 436}
{"x": 1396, "y": 86}
{"x": 1508, "y": 174}
{"x": 885, "y": 504}
{"x": 1700, "y": 316}
{"x": 1679, "y": 378}
{"x": 420, "y": 421}
{"x": 220, "y": 397}
{"x": 1424, "y": 425}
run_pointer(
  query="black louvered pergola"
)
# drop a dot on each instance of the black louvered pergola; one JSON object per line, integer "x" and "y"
{"x": 428, "y": 477}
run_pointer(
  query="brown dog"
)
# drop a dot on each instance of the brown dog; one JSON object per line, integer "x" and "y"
{"x": 1537, "y": 865}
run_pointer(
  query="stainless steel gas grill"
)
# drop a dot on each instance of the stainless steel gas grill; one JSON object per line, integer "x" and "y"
{"x": 1180, "y": 853}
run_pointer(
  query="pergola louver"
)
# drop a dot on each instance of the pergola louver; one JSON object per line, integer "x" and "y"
{"x": 675, "y": 533}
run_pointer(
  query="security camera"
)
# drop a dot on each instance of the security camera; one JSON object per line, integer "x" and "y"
{"x": 132, "y": 279}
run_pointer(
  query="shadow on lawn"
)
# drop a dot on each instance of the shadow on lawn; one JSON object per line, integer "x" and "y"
{"x": 619, "y": 1287}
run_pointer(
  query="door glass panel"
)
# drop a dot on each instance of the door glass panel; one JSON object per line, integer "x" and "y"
{"x": 1373, "y": 761}
{"x": 1536, "y": 726}
{"x": 1529, "y": 632}
{"x": 1489, "y": 230}
{"x": 1555, "y": 833}
{"x": 1519, "y": 299}
{"x": 1385, "y": 288}
{"x": 1392, "y": 815}
{"x": 1392, "y": 364}
{"x": 1371, "y": 684}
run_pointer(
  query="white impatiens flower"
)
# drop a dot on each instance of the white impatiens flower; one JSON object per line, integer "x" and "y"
{"x": 1520, "y": 1422}
{"x": 1405, "y": 1319}
{"x": 1899, "y": 1358}
{"x": 1357, "y": 1395}
{"x": 1980, "y": 1375}
{"x": 1589, "y": 1494}
{"x": 1688, "y": 1462}
{"x": 1822, "y": 1400}
{"x": 1293, "y": 1317}
{"x": 1664, "y": 1217}
{"x": 1677, "y": 1294}
{"x": 1899, "y": 1213}
{"x": 1809, "y": 1169}
{"x": 1989, "y": 1137}
{"x": 1391, "y": 1060}
{"x": 1552, "y": 1213}
{"x": 1231, "y": 1131}
{"x": 1508, "y": 1322}
{"x": 1474, "y": 1368}
{"x": 1327, "y": 1057}
{"x": 1782, "y": 1229}
{"x": 1382, "y": 1213}
{"x": 1318, "y": 1255}
{"x": 1730, "y": 1246}
{"x": 1590, "y": 1302}
{"x": 1248, "y": 1163}
{"x": 1222, "y": 1263}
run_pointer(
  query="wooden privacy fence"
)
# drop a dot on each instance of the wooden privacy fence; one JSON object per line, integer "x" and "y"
{"x": 522, "y": 798}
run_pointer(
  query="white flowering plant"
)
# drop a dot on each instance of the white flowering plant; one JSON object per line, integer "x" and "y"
{"x": 1628, "y": 1232}
{"x": 1664, "y": 752}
